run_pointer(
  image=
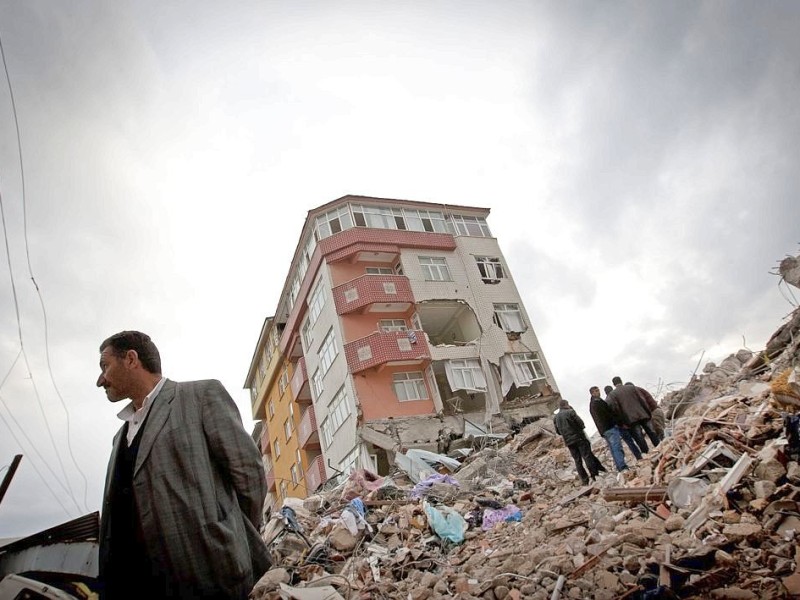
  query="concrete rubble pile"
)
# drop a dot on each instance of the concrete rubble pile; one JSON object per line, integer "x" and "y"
{"x": 712, "y": 512}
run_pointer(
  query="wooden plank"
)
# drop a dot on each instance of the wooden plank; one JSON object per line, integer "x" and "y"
{"x": 641, "y": 494}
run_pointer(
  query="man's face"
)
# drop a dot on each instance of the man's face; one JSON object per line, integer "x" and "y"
{"x": 595, "y": 392}
{"x": 114, "y": 376}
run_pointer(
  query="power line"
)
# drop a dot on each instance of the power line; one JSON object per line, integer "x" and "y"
{"x": 35, "y": 285}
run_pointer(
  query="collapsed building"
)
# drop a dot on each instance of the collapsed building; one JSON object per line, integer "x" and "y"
{"x": 399, "y": 326}
{"x": 712, "y": 512}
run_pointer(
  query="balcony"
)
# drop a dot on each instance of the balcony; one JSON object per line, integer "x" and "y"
{"x": 373, "y": 293}
{"x": 301, "y": 390}
{"x": 307, "y": 431}
{"x": 263, "y": 440}
{"x": 315, "y": 474}
{"x": 271, "y": 478}
{"x": 387, "y": 348}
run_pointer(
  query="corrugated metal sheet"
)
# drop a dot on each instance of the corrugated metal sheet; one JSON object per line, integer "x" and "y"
{"x": 82, "y": 529}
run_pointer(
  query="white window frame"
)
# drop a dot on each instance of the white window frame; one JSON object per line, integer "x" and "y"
{"x": 316, "y": 302}
{"x": 271, "y": 408}
{"x": 435, "y": 268}
{"x": 288, "y": 428}
{"x": 294, "y": 471}
{"x": 490, "y": 268}
{"x": 276, "y": 448}
{"x": 379, "y": 271}
{"x": 283, "y": 382}
{"x": 298, "y": 457}
{"x": 529, "y": 366}
{"x": 468, "y": 374}
{"x": 429, "y": 221}
{"x": 387, "y": 325}
{"x": 317, "y": 385}
{"x": 327, "y": 434}
{"x": 348, "y": 464}
{"x": 284, "y": 490}
{"x": 328, "y": 351}
{"x": 508, "y": 316}
{"x": 410, "y": 386}
{"x": 308, "y": 334}
{"x": 470, "y": 226}
{"x": 334, "y": 221}
{"x": 339, "y": 410}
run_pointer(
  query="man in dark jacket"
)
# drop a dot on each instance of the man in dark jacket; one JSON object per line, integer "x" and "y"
{"x": 656, "y": 414}
{"x": 571, "y": 428}
{"x": 607, "y": 422}
{"x": 633, "y": 410}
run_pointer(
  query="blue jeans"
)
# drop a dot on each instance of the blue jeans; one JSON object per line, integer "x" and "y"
{"x": 614, "y": 441}
{"x": 632, "y": 443}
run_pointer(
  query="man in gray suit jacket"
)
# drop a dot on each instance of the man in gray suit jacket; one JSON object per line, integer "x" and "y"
{"x": 185, "y": 485}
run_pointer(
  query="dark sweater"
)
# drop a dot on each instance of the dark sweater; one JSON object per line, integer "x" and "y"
{"x": 603, "y": 415}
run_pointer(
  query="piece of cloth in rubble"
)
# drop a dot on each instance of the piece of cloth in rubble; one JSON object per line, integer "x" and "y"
{"x": 492, "y": 517}
{"x": 446, "y": 522}
{"x": 360, "y": 483}
{"x": 423, "y": 487}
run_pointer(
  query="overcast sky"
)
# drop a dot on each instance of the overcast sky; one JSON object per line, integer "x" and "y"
{"x": 640, "y": 161}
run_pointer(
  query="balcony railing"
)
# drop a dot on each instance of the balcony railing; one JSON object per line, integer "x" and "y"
{"x": 315, "y": 474}
{"x": 307, "y": 431}
{"x": 372, "y": 289}
{"x": 386, "y": 347}
{"x": 301, "y": 390}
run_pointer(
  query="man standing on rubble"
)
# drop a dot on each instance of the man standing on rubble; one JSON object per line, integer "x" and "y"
{"x": 185, "y": 485}
{"x": 607, "y": 425}
{"x": 570, "y": 426}
{"x": 656, "y": 414}
{"x": 633, "y": 410}
{"x": 624, "y": 430}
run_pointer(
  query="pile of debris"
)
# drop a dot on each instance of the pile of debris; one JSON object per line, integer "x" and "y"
{"x": 712, "y": 512}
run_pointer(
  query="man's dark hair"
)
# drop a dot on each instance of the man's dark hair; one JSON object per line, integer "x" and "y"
{"x": 563, "y": 404}
{"x": 608, "y": 389}
{"x": 617, "y": 380}
{"x": 123, "y": 341}
{"x": 594, "y": 387}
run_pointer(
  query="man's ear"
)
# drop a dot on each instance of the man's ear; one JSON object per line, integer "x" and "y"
{"x": 131, "y": 358}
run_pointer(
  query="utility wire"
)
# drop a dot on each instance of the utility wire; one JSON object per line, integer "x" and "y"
{"x": 35, "y": 285}
{"x": 35, "y": 449}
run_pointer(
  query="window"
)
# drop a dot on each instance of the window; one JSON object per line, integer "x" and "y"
{"x": 283, "y": 382}
{"x": 380, "y": 271}
{"x": 328, "y": 351}
{"x": 299, "y": 458}
{"x": 434, "y": 268}
{"x": 271, "y": 408}
{"x": 287, "y": 428}
{"x": 338, "y": 410}
{"x": 295, "y": 472}
{"x": 410, "y": 386}
{"x": 425, "y": 220}
{"x": 491, "y": 269}
{"x": 416, "y": 322}
{"x": 334, "y": 221}
{"x": 467, "y": 374}
{"x": 474, "y": 226}
{"x": 392, "y": 325}
{"x": 348, "y": 464}
{"x": 277, "y": 447}
{"x": 508, "y": 317}
{"x": 284, "y": 490}
{"x": 528, "y": 366}
{"x": 308, "y": 334}
{"x": 398, "y": 269}
{"x": 316, "y": 384}
{"x": 327, "y": 434}
{"x": 315, "y": 303}
{"x": 379, "y": 217}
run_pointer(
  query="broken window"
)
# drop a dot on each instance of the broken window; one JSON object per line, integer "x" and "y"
{"x": 465, "y": 374}
{"x": 392, "y": 325}
{"x": 509, "y": 317}
{"x": 410, "y": 386}
{"x": 528, "y": 367}
{"x": 491, "y": 269}
{"x": 379, "y": 271}
{"x": 473, "y": 226}
{"x": 435, "y": 268}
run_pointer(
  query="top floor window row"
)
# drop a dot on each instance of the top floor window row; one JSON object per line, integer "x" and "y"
{"x": 410, "y": 219}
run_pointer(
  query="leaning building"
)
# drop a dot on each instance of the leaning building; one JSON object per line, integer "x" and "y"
{"x": 399, "y": 326}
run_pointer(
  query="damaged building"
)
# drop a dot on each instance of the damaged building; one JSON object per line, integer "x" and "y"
{"x": 399, "y": 326}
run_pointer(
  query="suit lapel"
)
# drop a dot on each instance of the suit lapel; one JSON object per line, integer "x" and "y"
{"x": 159, "y": 413}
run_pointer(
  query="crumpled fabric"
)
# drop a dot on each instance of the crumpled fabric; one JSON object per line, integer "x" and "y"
{"x": 446, "y": 523}
{"x": 492, "y": 517}
{"x": 424, "y": 486}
